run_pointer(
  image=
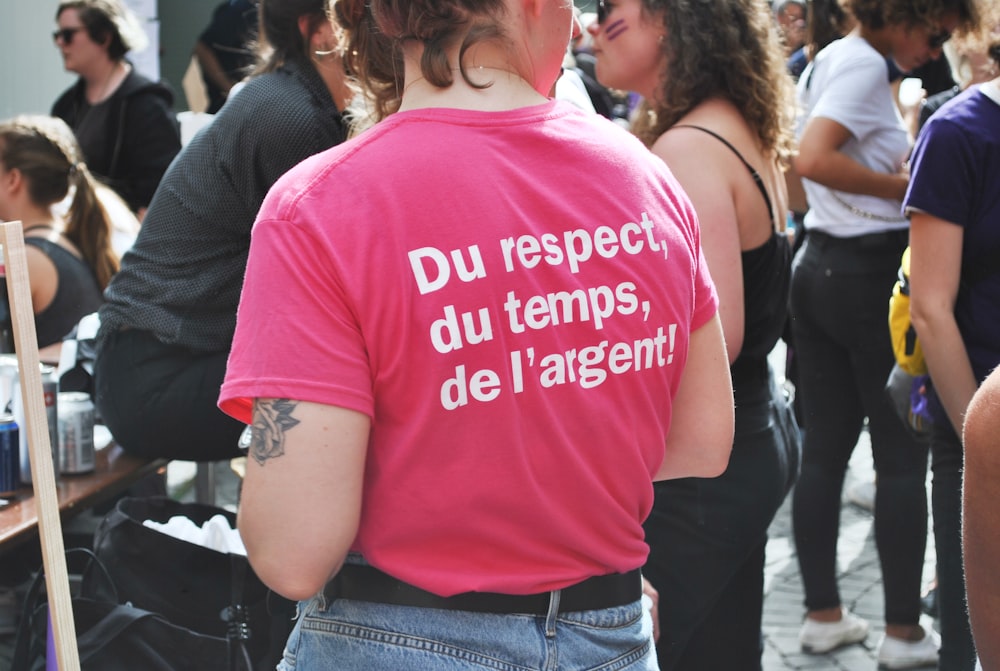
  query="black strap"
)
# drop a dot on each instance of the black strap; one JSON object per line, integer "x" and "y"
{"x": 32, "y": 600}
{"x": 366, "y": 583}
{"x": 753, "y": 173}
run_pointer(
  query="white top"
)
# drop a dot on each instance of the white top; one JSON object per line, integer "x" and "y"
{"x": 848, "y": 82}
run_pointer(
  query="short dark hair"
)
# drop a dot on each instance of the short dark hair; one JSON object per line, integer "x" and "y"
{"x": 106, "y": 20}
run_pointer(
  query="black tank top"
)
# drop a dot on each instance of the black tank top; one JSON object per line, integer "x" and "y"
{"x": 767, "y": 273}
{"x": 77, "y": 294}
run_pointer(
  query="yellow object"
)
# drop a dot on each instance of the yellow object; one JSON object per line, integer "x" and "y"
{"x": 905, "y": 344}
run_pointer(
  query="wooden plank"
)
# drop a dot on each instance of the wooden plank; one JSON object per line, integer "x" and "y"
{"x": 40, "y": 448}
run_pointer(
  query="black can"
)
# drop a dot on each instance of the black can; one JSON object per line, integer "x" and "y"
{"x": 10, "y": 456}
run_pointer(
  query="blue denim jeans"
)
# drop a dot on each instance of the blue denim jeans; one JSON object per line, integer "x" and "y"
{"x": 352, "y": 635}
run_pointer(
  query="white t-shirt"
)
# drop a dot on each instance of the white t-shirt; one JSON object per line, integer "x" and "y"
{"x": 848, "y": 82}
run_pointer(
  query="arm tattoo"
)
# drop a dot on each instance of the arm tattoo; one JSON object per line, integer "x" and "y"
{"x": 271, "y": 419}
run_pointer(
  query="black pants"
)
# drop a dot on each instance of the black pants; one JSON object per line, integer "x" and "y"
{"x": 958, "y": 652}
{"x": 707, "y": 538}
{"x": 839, "y": 306}
{"x": 159, "y": 401}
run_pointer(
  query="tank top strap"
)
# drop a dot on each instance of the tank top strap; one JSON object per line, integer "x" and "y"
{"x": 753, "y": 173}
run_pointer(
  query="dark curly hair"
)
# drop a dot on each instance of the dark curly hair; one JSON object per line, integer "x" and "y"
{"x": 880, "y": 13}
{"x": 375, "y": 31}
{"x": 722, "y": 48}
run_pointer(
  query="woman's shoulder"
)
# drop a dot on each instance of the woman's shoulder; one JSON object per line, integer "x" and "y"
{"x": 55, "y": 246}
{"x": 67, "y": 101}
{"x": 283, "y": 107}
{"x": 711, "y": 125}
{"x": 137, "y": 85}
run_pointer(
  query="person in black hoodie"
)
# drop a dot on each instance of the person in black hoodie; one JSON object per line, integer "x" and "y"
{"x": 124, "y": 122}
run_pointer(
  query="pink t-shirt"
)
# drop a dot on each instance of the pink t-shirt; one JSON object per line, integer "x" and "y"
{"x": 508, "y": 295}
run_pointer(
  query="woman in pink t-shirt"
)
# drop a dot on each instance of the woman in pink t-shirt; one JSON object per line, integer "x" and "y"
{"x": 466, "y": 359}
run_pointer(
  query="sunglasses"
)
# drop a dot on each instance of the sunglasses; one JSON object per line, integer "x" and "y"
{"x": 65, "y": 35}
{"x": 937, "y": 40}
{"x": 602, "y": 11}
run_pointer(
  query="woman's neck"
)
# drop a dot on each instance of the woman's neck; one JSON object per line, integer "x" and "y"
{"x": 331, "y": 71}
{"x": 496, "y": 80}
{"x": 503, "y": 89}
{"x": 32, "y": 216}
{"x": 104, "y": 80}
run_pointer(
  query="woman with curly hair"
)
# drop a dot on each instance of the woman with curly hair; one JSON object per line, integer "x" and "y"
{"x": 718, "y": 110}
{"x": 853, "y": 145}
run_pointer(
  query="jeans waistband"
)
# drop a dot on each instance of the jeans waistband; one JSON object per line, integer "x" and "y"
{"x": 367, "y": 583}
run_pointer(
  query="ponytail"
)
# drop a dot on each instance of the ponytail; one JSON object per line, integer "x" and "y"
{"x": 46, "y": 152}
{"x": 89, "y": 227}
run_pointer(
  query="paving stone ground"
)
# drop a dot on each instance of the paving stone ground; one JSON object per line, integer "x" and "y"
{"x": 860, "y": 584}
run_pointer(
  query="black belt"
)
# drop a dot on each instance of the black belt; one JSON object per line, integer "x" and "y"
{"x": 367, "y": 583}
{"x": 895, "y": 239}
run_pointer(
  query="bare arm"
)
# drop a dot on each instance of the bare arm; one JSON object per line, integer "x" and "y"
{"x": 981, "y": 518}
{"x": 43, "y": 278}
{"x": 706, "y": 182}
{"x": 935, "y": 268}
{"x": 701, "y": 426}
{"x": 821, "y": 161}
{"x": 797, "y": 201}
{"x": 301, "y": 500}
{"x": 210, "y": 65}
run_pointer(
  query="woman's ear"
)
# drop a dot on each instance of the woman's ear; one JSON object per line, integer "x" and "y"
{"x": 12, "y": 179}
{"x": 323, "y": 40}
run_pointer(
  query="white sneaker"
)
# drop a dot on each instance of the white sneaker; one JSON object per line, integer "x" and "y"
{"x": 895, "y": 653}
{"x": 862, "y": 494}
{"x": 820, "y": 637}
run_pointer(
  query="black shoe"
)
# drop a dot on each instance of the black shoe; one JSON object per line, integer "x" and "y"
{"x": 929, "y": 602}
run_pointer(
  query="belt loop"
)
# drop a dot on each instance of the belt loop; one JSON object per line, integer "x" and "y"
{"x": 550, "y": 617}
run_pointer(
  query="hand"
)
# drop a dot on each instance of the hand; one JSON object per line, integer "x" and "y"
{"x": 654, "y": 606}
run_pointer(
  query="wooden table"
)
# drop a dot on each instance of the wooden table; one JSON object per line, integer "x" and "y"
{"x": 113, "y": 473}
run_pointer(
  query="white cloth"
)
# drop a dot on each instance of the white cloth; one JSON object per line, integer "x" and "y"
{"x": 215, "y": 534}
{"x": 848, "y": 82}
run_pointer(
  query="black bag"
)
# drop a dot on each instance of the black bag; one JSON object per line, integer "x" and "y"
{"x": 213, "y": 593}
{"x": 112, "y": 636}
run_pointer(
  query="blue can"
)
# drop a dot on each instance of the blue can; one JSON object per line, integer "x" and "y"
{"x": 10, "y": 456}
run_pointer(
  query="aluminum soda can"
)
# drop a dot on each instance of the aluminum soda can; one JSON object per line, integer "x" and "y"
{"x": 50, "y": 392}
{"x": 76, "y": 432}
{"x": 10, "y": 459}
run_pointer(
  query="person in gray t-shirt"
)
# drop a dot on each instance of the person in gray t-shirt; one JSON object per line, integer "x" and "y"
{"x": 168, "y": 322}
